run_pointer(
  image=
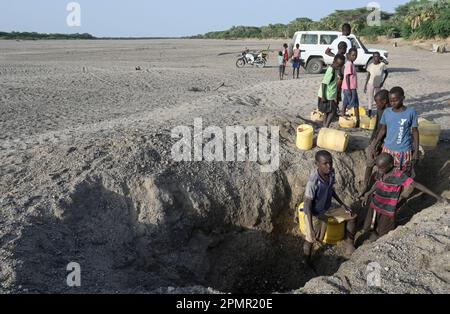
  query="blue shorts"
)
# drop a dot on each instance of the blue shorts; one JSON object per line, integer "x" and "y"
{"x": 352, "y": 102}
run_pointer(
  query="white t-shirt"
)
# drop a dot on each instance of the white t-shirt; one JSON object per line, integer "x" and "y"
{"x": 335, "y": 43}
{"x": 376, "y": 73}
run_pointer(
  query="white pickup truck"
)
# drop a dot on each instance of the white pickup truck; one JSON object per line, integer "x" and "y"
{"x": 313, "y": 45}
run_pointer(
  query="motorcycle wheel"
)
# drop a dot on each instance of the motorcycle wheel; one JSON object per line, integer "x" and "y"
{"x": 261, "y": 64}
{"x": 240, "y": 63}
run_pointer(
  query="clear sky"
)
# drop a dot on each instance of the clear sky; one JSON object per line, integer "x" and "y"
{"x": 171, "y": 18}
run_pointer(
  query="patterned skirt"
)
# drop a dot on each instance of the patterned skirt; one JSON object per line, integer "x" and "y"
{"x": 402, "y": 160}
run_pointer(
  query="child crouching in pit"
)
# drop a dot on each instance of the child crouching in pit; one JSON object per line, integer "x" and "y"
{"x": 385, "y": 196}
{"x": 317, "y": 206}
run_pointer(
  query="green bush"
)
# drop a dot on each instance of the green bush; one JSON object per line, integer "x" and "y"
{"x": 425, "y": 30}
{"x": 441, "y": 26}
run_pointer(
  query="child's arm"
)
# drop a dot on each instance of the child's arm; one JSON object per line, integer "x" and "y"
{"x": 337, "y": 198}
{"x": 347, "y": 77}
{"x": 425, "y": 190}
{"x": 366, "y": 196}
{"x": 415, "y": 134}
{"x": 386, "y": 73}
{"x": 380, "y": 137}
{"x": 329, "y": 53}
{"x": 367, "y": 81}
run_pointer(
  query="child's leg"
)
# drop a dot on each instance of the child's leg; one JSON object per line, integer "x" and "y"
{"x": 332, "y": 114}
{"x": 384, "y": 224}
{"x": 368, "y": 220}
{"x": 325, "y": 120}
{"x": 355, "y": 104}
{"x": 345, "y": 102}
{"x": 370, "y": 96}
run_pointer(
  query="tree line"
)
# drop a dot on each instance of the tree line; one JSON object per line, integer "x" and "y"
{"x": 417, "y": 19}
{"x": 36, "y": 36}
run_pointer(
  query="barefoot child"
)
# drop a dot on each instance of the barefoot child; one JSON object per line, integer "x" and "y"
{"x": 342, "y": 50}
{"x": 399, "y": 125}
{"x": 382, "y": 102}
{"x": 296, "y": 61}
{"x": 286, "y": 57}
{"x": 328, "y": 91}
{"x": 376, "y": 76}
{"x": 280, "y": 64}
{"x": 385, "y": 196}
{"x": 350, "y": 85}
{"x": 317, "y": 206}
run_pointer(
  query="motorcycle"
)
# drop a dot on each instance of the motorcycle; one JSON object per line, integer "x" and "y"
{"x": 255, "y": 59}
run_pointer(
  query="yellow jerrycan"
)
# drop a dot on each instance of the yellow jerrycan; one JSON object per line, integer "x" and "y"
{"x": 347, "y": 123}
{"x": 365, "y": 123}
{"x": 429, "y": 133}
{"x": 373, "y": 122}
{"x": 317, "y": 116}
{"x": 362, "y": 112}
{"x": 305, "y": 134}
{"x": 335, "y": 231}
{"x": 333, "y": 139}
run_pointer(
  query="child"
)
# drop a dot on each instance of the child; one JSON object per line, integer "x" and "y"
{"x": 328, "y": 91}
{"x": 382, "y": 102}
{"x": 318, "y": 195}
{"x": 296, "y": 61}
{"x": 280, "y": 64}
{"x": 342, "y": 49}
{"x": 286, "y": 57}
{"x": 350, "y": 85}
{"x": 375, "y": 80}
{"x": 400, "y": 126}
{"x": 385, "y": 196}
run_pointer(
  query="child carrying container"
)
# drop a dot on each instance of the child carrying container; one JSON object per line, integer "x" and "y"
{"x": 317, "y": 205}
{"x": 327, "y": 103}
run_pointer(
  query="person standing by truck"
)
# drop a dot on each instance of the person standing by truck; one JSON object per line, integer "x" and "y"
{"x": 286, "y": 57}
{"x": 296, "y": 61}
{"x": 350, "y": 86}
{"x": 376, "y": 76}
{"x": 333, "y": 49}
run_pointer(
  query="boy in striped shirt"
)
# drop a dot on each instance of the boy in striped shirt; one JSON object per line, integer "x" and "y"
{"x": 385, "y": 196}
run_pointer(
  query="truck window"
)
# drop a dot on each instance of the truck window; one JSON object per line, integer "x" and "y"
{"x": 309, "y": 39}
{"x": 355, "y": 43}
{"x": 327, "y": 39}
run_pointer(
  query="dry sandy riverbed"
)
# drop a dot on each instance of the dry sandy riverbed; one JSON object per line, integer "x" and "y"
{"x": 87, "y": 175}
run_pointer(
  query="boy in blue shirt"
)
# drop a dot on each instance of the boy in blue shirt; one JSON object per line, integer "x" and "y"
{"x": 400, "y": 126}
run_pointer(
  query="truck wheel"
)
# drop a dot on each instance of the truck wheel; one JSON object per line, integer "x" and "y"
{"x": 315, "y": 66}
